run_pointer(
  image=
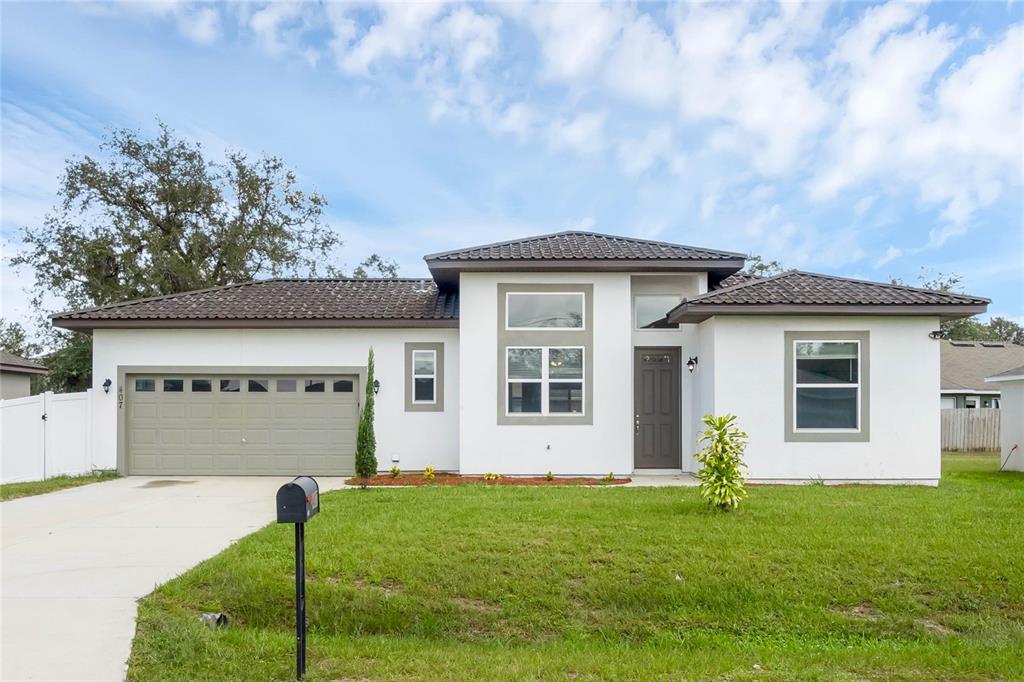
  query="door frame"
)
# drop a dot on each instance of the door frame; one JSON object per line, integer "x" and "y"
{"x": 678, "y": 351}
{"x": 124, "y": 371}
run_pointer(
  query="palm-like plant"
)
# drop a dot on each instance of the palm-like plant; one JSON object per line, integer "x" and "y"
{"x": 721, "y": 474}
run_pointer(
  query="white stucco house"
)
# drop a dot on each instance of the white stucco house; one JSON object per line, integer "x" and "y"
{"x": 16, "y": 375}
{"x": 1011, "y": 427}
{"x": 576, "y": 353}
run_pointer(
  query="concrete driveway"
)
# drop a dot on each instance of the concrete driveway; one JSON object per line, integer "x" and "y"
{"x": 75, "y": 562}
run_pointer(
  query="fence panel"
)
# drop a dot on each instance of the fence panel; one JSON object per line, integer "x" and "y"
{"x": 22, "y": 439}
{"x": 970, "y": 429}
{"x": 33, "y": 448}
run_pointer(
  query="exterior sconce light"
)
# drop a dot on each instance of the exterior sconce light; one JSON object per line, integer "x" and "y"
{"x": 106, "y": 386}
{"x": 937, "y": 334}
{"x": 691, "y": 364}
{"x": 376, "y": 386}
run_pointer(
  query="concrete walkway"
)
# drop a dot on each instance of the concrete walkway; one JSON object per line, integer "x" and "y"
{"x": 75, "y": 562}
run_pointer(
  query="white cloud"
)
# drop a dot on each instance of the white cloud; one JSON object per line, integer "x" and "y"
{"x": 638, "y": 155}
{"x": 864, "y": 204}
{"x": 574, "y": 36}
{"x": 891, "y": 254}
{"x": 583, "y": 134}
{"x": 400, "y": 34}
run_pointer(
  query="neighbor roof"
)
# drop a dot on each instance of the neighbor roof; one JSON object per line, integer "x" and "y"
{"x": 965, "y": 364}
{"x": 9, "y": 362}
{"x": 805, "y": 293}
{"x": 1017, "y": 373}
{"x": 578, "y": 250}
{"x": 283, "y": 302}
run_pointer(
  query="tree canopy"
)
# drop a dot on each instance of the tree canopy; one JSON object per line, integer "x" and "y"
{"x": 150, "y": 216}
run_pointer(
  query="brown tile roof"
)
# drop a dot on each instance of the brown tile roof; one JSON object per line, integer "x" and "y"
{"x": 578, "y": 245}
{"x": 14, "y": 363}
{"x": 284, "y": 300}
{"x": 965, "y": 364}
{"x": 734, "y": 279}
{"x": 794, "y": 289}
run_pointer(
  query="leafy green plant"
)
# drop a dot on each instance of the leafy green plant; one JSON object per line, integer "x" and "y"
{"x": 609, "y": 478}
{"x": 366, "y": 441}
{"x": 395, "y": 472}
{"x": 428, "y": 473}
{"x": 721, "y": 473}
{"x": 491, "y": 477}
{"x": 550, "y": 476}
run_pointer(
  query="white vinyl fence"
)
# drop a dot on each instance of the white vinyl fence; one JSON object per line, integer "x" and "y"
{"x": 971, "y": 428}
{"x": 45, "y": 435}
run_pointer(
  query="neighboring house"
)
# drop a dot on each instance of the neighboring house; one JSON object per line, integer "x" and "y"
{"x": 965, "y": 364}
{"x": 16, "y": 375}
{"x": 576, "y": 353}
{"x": 1011, "y": 428}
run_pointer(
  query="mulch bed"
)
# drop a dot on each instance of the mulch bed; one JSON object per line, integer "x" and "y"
{"x": 456, "y": 479}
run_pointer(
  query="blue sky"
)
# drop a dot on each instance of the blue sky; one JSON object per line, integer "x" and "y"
{"x": 868, "y": 140}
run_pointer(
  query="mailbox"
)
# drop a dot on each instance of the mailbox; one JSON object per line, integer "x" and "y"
{"x": 298, "y": 501}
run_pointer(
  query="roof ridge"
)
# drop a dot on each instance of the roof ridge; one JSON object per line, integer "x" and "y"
{"x": 236, "y": 285}
{"x": 741, "y": 285}
{"x": 889, "y": 285}
{"x": 147, "y": 299}
{"x": 603, "y": 235}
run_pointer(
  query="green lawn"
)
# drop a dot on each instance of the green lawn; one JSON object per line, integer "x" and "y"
{"x": 11, "y": 491}
{"x": 479, "y": 582}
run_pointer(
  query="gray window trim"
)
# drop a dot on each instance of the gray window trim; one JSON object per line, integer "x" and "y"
{"x": 548, "y": 338}
{"x": 861, "y": 435}
{"x": 438, "y": 404}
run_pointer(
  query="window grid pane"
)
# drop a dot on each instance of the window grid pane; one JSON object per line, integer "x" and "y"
{"x": 423, "y": 363}
{"x": 554, "y": 387}
{"x": 423, "y": 390}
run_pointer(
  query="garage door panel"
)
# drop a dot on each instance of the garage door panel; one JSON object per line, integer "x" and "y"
{"x": 260, "y": 433}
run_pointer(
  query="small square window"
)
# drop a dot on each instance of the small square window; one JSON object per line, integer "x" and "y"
{"x": 230, "y": 386}
{"x": 342, "y": 386}
{"x": 285, "y": 385}
{"x": 259, "y": 385}
{"x": 145, "y": 385}
{"x": 174, "y": 385}
{"x": 314, "y": 386}
{"x": 202, "y": 386}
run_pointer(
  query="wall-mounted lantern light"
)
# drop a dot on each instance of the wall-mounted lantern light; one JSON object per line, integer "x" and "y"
{"x": 376, "y": 386}
{"x": 106, "y": 386}
{"x": 691, "y": 364}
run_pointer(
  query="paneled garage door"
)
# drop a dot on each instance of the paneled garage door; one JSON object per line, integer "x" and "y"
{"x": 229, "y": 424}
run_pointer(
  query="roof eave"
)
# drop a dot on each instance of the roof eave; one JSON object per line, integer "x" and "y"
{"x": 21, "y": 369}
{"x": 448, "y": 271}
{"x": 697, "y": 312}
{"x": 86, "y": 325}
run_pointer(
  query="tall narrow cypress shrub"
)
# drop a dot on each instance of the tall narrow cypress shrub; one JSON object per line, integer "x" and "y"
{"x": 366, "y": 441}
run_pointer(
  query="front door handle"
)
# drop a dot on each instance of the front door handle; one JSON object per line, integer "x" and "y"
{"x": 636, "y": 424}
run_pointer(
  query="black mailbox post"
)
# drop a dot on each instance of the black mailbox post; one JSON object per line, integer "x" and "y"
{"x": 297, "y": 502}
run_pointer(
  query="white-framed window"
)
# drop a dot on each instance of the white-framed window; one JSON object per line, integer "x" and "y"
{"x": 544, "y": 380}
{"x": 649, "y": 309}
{"x": 533, "y": 310}
{"x": 826, "y": 389}
{"x": 424, "y": 377}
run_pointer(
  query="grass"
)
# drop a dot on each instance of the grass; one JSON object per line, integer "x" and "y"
{"x": 481, "y": 582}
{"x": 12, "y": 491}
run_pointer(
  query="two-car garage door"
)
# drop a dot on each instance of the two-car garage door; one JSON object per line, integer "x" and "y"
{"x": 190, "y": 424}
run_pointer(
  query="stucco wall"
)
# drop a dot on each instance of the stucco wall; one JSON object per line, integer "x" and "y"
{"x": 418, "y": 439}
{"x": 603, "y": 446}
{"x": 14, "y": 385}
{"x": 904, "y": 399}
{"x": 1011, "y": 423}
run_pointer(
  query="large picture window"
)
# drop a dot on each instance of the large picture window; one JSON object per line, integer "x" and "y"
{"x": 544, "y": 380}
{"x": 827, "y": 385}
{"x": 544, "y": 310}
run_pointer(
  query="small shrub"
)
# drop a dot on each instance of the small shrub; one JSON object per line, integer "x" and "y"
{"x": 395, "y": 472}
{"x": 721, "y": 473}
{"x": 428, "y": 473}
{"x": 609, "y": 478}
{"x": 550, "y": 476}
{"x": 491, "y": 477}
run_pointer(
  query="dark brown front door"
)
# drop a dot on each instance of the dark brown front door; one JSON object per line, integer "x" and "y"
{"x": 656, "y": 418}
